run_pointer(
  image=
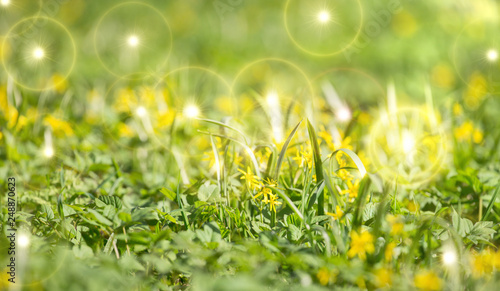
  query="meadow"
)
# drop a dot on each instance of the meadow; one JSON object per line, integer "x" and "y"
{"x": 249, "y": 145}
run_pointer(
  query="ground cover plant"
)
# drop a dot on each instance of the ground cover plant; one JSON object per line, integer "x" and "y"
{"x": 237, "y": 145}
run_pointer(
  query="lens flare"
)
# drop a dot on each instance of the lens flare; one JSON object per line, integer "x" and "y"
{"x": 23, "y": 241}
{"x": 191, "y": 111}
{"x": 133, "y": 41}
{"x": 5, "y": 2}
{"x": 38, "y": 53}
{"x": 324, "y": 16}
{"x": 492, "y": 55}
{"x": 343, "y": 114}
{"x": 449, "y": 258}
{"x": 408, "y": 142}
{"x": 141, "y": 111}
{"x": 48, "y": 152}
{"x": 272, "y": 98}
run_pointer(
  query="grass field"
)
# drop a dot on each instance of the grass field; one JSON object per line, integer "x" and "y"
{"x": 249, "y": 145}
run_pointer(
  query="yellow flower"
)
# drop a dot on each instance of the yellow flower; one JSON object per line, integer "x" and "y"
{"x": 389, "y": 251}
{"x": 412, "y": 206}
{"x": 59, "y": 126}
{"x": 251, "y": 180}
{"x": 457, "y": 109}
{"x": 483, "y": 263}
{"x": 442, "y": 76}
{"x": 477, "y": 136}
{"x": 265, "y": 193}
{"x": 124, "y": 130}
{"x": 396, "y": 224}
{"x": 476, "y": 91}
{"x": 323, "y": 276}
{"x": 404, "y": 24}
{"x": 383, "y": 278}
{"x": 427, "y": 280}
{"x": 273, "y": 202}
{"x": 59, "y": 82}
{"x": 361, "y": 244}
{"x": 352, "y": 189}
{"x": 467, "y": 131}
{"x": 338, "y": 213}
{"x": 304, "y": 158}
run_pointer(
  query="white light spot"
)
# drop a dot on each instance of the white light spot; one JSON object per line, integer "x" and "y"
{"x": 38, "y": 53}
{"x": 408, "y": 142}
{"x": 449, "y": 258}
{"x": 191, "y": 111}
{"x": 133, "y": 41}
{"x": 5, "y": 2}
{"x": 23, "y": 241}
{"x": 141, "y": 111}
{"x": 272, "y": 98}
{"x": 343, "y": 114}
{"x": 323, "y": 16}
{"x": 492, "y": 55}
{"x": 48, "y": 152}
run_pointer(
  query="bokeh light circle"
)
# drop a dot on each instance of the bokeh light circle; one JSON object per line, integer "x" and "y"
{"x": 476, "y": 59}
{"x": 407, "y": 146}
{"x": 42, "y": 53}
{"x": 133, "y": 37}
{"x": 323, "y": 28}
{"x": 274, "y": 88}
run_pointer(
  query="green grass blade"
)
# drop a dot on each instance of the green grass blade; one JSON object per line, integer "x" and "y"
{"x": 318, "y": 165}
{"x": 281, "y": 157}
{"x": 492, "y": 202}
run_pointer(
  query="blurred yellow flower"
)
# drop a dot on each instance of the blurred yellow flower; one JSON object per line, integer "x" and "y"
{"x": 59, "y": 82}
{"x": 389, "y": 251}
{"x": 383, "y": 277}
{"x": 476, "y": 90}
{"x": 467, "y": 131}
{"x": 364, "y": 118}
{"x": 457, "y": 109}
{"x": 323, "y": 276}
{"x": 404, "y": 24}
{"x": 59, "y": 126}
{"x": 427, "y": 280}
{"x": 396, "y": 224}
{"x": 338, "y": 213}
{"x": 483, "y": 262}
{"x": 226, "y": 104}
{"x": 442, "y": 76}
{"x": 124, "y": 130}
{"x": 361, "y": 244}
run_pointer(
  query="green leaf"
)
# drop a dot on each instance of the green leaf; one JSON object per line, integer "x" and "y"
{"x": 168, "y": 193}
{"x": 208, "y": 192}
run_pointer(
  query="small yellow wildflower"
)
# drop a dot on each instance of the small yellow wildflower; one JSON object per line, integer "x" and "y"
{"x": 59, "y": 126}
{"x": 124, "y": 130}
{"x": 482, "y": 263}
{"x": 251, "y": 179}
{"x": 477, "y": 90}
{"x": 338, "y": 213}
{"x": 304, "y": 158}
{"x": 361, "y": 244}
{"x": 389, "y": 251}
{"x": 323, "y": 276}
{"x": 396, "y": 224}
{"x": 265, "y": 193}
{"x": 383, "y": 278}
{"x": 477, "y": 136}
{"x": 457, "y": 109}
{"x": 273, "y": 202}
{"x": 427, "y": 280}
{"x": 352, "y": 189}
